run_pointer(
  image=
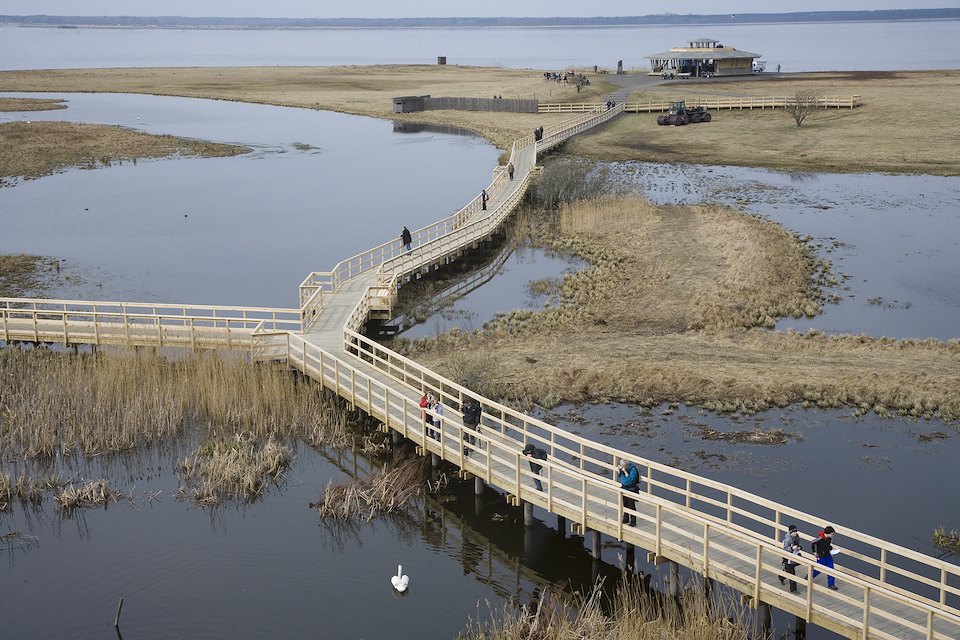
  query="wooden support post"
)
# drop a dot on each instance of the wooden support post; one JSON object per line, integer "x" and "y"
{"x": 673, "y": 588}
{"x": 766, "y": 620}
{"x": 527, "y": 514}
{"x": 478, "y": 486}
{"x": 434, "y": 461}
{"x": 800, "y": 628}
{"x": 395, "y": 438}
{"x": 594, "y": 544}
{"x": 630, "y": 558}
{"x": 562, "y": 526}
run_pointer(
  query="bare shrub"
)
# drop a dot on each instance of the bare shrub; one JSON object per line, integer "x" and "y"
{"x": 568, "y": 181}
{"x": 804, "y": 102}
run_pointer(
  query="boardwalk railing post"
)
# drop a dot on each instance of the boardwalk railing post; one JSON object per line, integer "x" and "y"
{"x": 865, "y": 632}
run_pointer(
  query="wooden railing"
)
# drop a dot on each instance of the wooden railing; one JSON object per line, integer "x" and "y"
{"x": 138, "y": 324}
{"x": 718, "y": 103}
{"x": 713, "y": 528}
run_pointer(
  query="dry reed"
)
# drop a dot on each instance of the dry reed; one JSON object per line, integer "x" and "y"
{"x": 26, "y": 489}
{"x": 60, "y": 403}
{"x": 233, "y": 469}
{"x": 635, "y": 615}
{"x": 668, "y": 311}
{"x": 385, "y": 491}
{"x": 92, "y": 494}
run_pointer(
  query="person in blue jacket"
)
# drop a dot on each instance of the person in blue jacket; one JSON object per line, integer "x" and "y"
{"x": 629, "y": 479}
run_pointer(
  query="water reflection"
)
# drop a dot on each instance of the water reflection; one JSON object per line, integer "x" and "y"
{"x": 399, "y": 126}
{"x": 832, "y": 464}
{"x": 516, "y": 277}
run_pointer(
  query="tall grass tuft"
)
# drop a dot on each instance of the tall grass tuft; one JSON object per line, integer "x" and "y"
{"x": 92, "y": 494}
{"x": 947, "y": 540}
{"x": 386, "y": 491}
{"x": 633, "y": 615}
{"x": 233, "y": 468}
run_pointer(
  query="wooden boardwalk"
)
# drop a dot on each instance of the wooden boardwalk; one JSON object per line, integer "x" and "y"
{"x": 885, "y": 591}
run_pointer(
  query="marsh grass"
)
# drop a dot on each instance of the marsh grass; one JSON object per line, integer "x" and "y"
{"x": 673, "y": 307}
{"x": 23, "y": 274}
{"x": 97, "y": 493}
{"x": 388, "y": 490}
{"x": 26, "y": 489}
{"x": 633, "y": 614}
{"x": 35, "y": 149}
{"x": 32, "y": 104}
{"x": 233, "y": 469}
{"x": 947, "y": 540}
{"x": 59, "y": 403}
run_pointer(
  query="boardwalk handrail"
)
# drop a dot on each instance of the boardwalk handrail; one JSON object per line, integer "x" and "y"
{"x": 715, "y": 528}
{"x": 156, "y": 324}
{"x": 706, "y": 543}
{"x": 713, "y": 102}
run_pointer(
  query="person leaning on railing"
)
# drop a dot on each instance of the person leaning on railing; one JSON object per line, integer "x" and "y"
{"x": 629, "y": 478}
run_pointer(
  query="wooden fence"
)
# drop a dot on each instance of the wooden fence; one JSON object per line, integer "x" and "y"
{"x": 717, "y": 103}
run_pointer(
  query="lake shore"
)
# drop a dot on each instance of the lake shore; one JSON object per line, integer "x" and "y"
{"x": 901, "y": 126}
{"x": 706, "y": 353}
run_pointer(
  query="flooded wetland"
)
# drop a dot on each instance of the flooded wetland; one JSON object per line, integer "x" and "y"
{"x": 317, "y": 187}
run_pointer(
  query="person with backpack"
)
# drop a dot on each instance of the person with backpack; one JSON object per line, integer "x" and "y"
{"x": 471, "y": 420}
{"x": 791, "y": 544}
{"x": 629, "y": 479}
{"x": 823, "y": 551}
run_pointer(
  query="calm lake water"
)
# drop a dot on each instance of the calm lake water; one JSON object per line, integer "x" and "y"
{"x": 796, "y": 47}
{"x": 318, "y": 187}
{"x": 269, "y": 569}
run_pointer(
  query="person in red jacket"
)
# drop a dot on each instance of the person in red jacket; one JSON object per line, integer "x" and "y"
{"x": 823, "y": 550}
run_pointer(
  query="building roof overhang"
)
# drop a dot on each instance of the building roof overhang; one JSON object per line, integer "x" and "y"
{"x": 701, "y": 54}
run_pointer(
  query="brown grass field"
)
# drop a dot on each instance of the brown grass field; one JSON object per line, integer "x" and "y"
{"x": 668, "y": 313}
{"x": 35, "y": 149}
{"x": 673, "y": 306}
{"x": 902, "y": 126}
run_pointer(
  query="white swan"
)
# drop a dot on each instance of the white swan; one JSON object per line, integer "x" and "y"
{"x": 400, "y": 581}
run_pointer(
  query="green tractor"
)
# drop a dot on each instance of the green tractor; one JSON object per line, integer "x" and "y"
{"x": 679, "y": 115}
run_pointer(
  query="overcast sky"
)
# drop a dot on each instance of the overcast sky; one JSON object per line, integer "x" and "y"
{"x": 432, "y": 8}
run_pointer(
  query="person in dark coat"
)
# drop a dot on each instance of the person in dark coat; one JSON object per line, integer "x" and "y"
{"x": 823, "y": 550}
{"x": 406, "y": 239}
{"x": 535, "y": 453}
{"x": 510, "y": 170}
{"x": 471, "y": 420}
{"x": 483, "y": 200}
{"x": 629, "y": 479}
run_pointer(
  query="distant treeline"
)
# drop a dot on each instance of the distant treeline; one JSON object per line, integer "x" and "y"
{"x": 318, "y": 23}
